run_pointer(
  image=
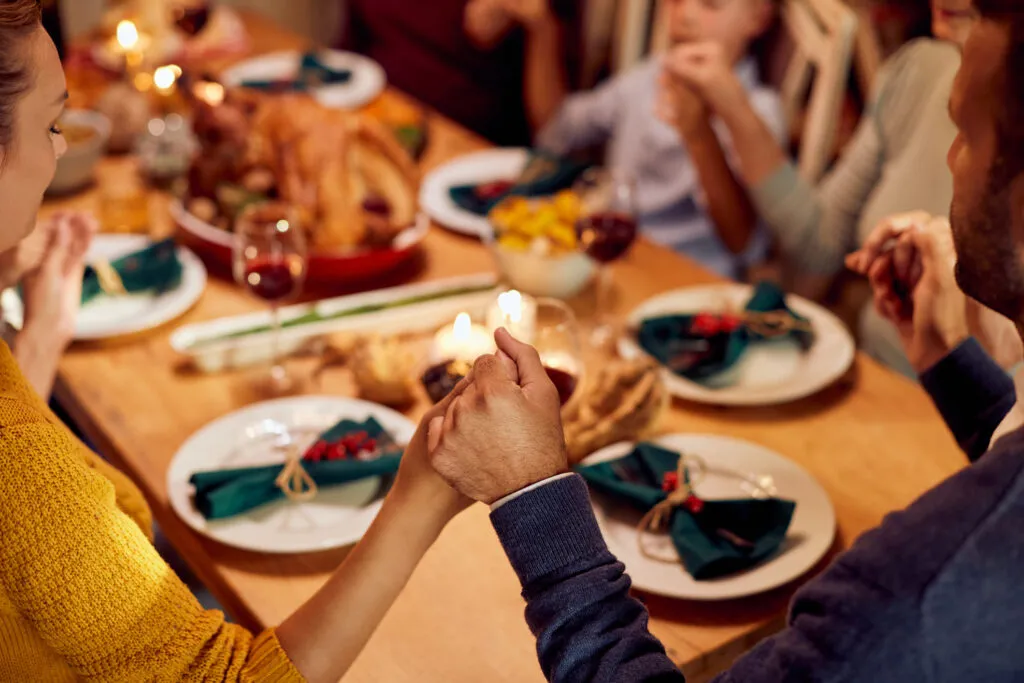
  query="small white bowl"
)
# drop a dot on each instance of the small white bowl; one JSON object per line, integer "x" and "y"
{"x": 76, "y": 168}
{"x": 560, "y": 276}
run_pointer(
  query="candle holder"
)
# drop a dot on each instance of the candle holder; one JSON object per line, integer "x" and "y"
{"x": 165, "y": 149}
{"x": 453, "y": 351}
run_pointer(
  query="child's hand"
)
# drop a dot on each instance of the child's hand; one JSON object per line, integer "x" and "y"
{"x": 679, "y": 106}
{"x": 705, "y": 68}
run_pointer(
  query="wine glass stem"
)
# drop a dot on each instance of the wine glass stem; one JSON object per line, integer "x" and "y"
{"x": 603, "y": 300}
{"x": 276, "y": 369}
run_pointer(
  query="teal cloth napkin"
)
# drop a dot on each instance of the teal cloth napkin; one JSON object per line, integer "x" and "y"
{"x": 220, "y": 494}
{"x": 702, "y": 346}
{"x": 724, "y": 537}
{"x": 155, "y": 268}
{"x": 544, "y": 175}
{"x": 313, "y": 73}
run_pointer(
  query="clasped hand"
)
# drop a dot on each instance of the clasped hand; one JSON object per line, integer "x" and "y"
{"x": 498, "y": 432}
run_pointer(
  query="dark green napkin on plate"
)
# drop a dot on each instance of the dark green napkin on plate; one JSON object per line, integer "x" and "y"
{"x": 722, "y": 538}
{"x": 702, "y": 345}
{"x": 544, "y": 174}
{"x": 220, "y": 494}
{"x": 155, "y": 268}
{"x": 313, "y": 73}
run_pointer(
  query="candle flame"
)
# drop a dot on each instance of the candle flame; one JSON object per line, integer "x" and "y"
{"x": 463, "y": 325}
{"x": 127, "y": 35}
{"x": 511, "y": 305}
{"x": 211, "y": 93}
{"x": 164, "y": 78}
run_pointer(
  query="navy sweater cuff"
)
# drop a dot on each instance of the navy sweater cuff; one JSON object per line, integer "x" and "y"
{"x": 972, "y": 392}
{"x": 548, "y": 529}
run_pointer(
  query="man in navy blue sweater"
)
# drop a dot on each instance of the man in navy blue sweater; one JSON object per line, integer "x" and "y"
{"x": 933, "y": 594}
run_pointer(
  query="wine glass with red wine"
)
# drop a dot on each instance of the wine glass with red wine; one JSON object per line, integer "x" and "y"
{"x": 557, "y": 340}
{"x": 606, "y": 230}
{"x": 270, "y": 260}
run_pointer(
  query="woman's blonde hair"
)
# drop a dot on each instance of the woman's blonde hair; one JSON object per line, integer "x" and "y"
{"x": 18, "y": 19}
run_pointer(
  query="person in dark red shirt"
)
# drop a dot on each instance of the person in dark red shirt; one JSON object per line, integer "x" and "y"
{"x": 427, "y": 52}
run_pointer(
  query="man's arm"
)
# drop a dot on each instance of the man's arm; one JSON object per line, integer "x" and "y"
{"x": 588, "y": 628}
{"x": 972, "y": 393}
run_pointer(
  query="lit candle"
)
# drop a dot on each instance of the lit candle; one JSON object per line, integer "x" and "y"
{"x": 129, "y": 44}
{"x": 209, "y": 92}
{"x": 463, "y": 341}
{"x": 127, "y": 35}
{"x": 517, "y": 313}
{"x": 165, "y": 78}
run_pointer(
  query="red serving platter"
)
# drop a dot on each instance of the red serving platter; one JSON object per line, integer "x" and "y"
{"x": 327, "y": 267}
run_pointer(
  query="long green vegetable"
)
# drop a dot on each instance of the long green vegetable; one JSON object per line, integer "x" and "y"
{"x": 314, "y": 317}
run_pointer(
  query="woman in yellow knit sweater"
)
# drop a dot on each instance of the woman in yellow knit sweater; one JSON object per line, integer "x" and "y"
{"x": 83, "y": 593}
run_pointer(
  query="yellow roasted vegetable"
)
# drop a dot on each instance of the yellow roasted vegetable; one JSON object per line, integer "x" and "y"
{"x": 521, "y": 223}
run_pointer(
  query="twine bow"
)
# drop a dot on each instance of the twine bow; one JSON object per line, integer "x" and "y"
{"x": 658, "y": 517}
{"x": 774, "y": 323}
{"x": 109, "y": 279}
{"x": 294, "y": 480}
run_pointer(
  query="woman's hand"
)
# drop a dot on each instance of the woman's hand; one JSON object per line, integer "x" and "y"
{"x": 28, "y": 254}
{"x": 53, "y": 291}
{"x": 417, "y": 485}
{"x": 52, "y": 295}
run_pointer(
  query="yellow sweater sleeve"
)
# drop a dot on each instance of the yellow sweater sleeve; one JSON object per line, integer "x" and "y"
{"x": 88, "y": 580}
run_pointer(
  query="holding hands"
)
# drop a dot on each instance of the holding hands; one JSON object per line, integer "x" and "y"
{"x": 498, "y": 432}
{"x": 503, "y": 432}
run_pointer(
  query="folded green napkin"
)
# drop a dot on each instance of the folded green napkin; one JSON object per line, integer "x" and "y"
{"x": 220, "y": 494}
{"x": 313, "y": 73}
{"x": 156, "y": 268}
{"x": 545, "y": 174}
{"x": 702, "y": 345}
{"x": 723, "y": 537}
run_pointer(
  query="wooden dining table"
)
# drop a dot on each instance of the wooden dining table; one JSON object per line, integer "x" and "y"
{"x": 873, "y": 440}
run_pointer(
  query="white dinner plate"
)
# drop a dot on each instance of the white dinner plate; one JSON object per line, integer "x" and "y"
{"x": 367, "y": 82}
{"x": 105, "y": 316}
{"x": 767, "y": 374}
{"x": 480, "y": 167}
{"x": 732, "y": 465}
{"x": 253, "y": 436}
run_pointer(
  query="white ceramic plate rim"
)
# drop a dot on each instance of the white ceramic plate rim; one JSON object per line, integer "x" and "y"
{"x": 194, "y": 455}
{"x": 478, "y": 167}
{"x": 165, "y": 308}
{"x": 828, "y": 359}
{"x": 813, "y": 520}
{"x": 368, "y": 77}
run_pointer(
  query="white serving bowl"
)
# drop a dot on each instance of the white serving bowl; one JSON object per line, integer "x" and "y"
{"x": 560, "y": 275}
{"x": 76, "y": 168}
